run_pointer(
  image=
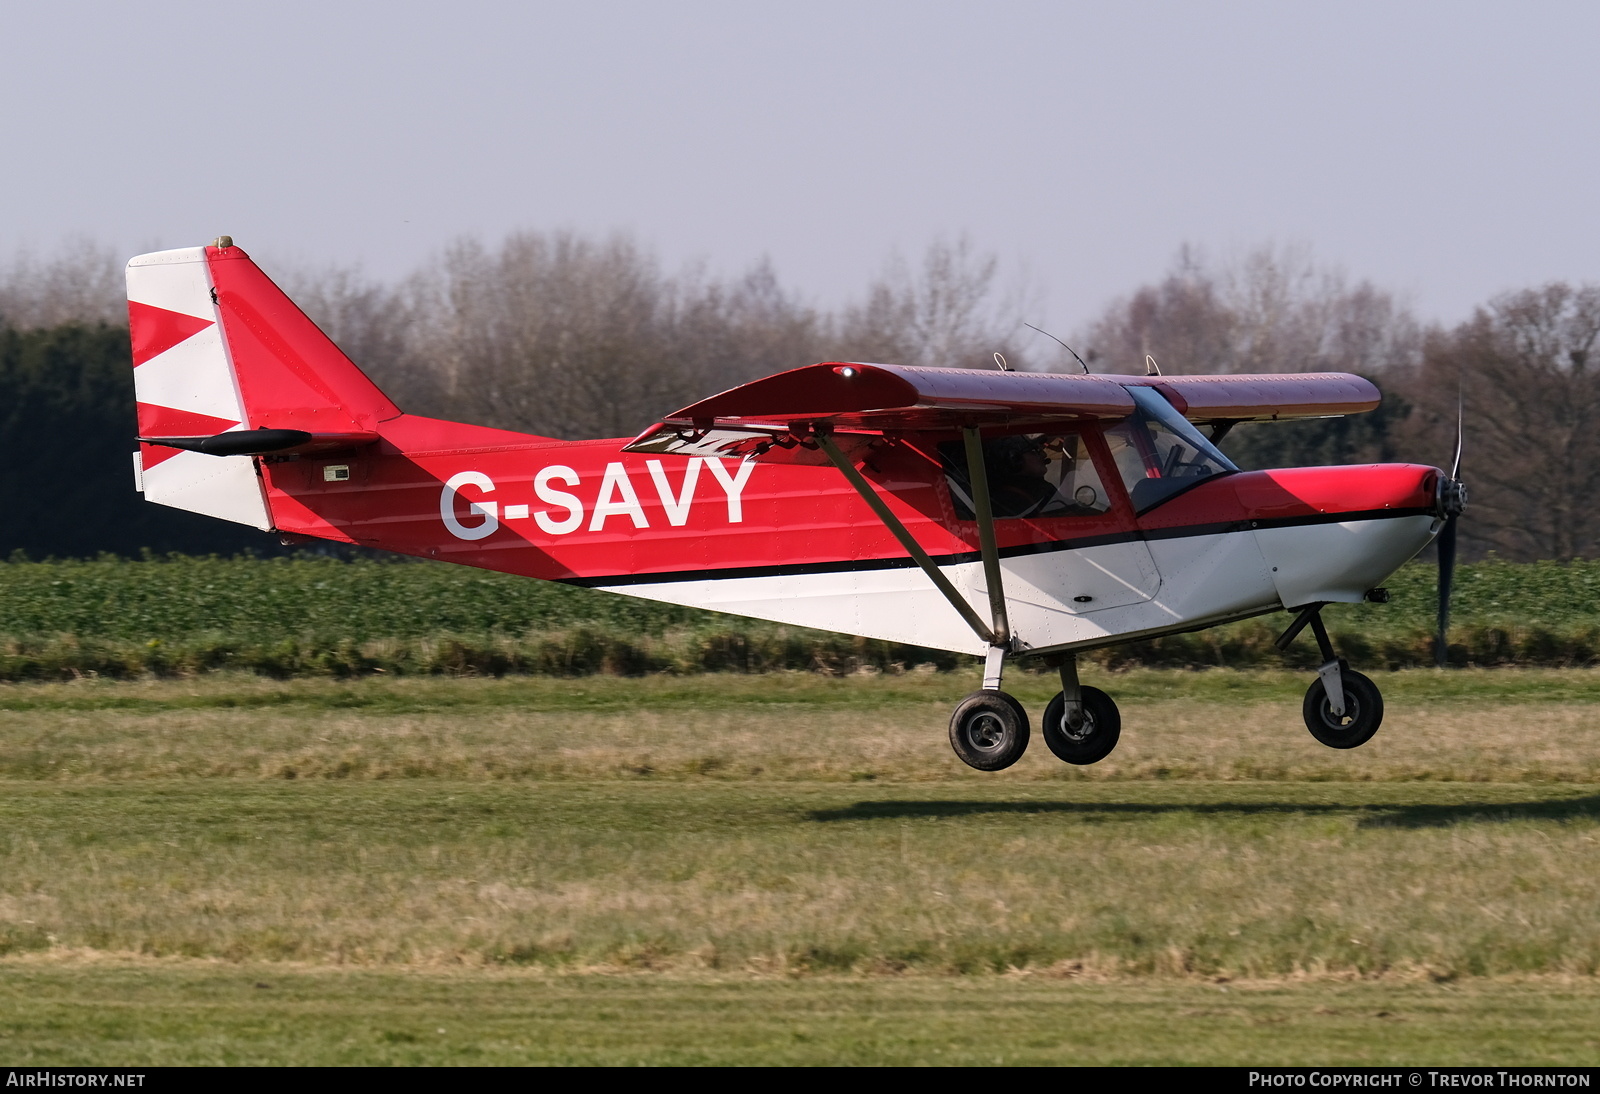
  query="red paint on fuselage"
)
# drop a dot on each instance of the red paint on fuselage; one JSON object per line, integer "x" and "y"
{"x": 1299, "y": 492}
{"x": 781, "y": 515}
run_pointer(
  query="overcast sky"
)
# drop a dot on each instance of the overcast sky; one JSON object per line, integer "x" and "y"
{"x": 1445, "y": 150}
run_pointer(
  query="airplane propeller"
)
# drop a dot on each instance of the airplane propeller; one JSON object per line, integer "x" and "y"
{"x": 1452, "y": 500}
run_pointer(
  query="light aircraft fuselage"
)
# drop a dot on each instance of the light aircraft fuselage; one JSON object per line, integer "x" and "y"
{"x": 998, "y": 514}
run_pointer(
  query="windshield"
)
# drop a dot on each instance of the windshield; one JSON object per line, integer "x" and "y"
{"x": 1158, "y": 453}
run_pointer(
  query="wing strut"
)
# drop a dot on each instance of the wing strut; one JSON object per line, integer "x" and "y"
{"x": 978, "y": 474}
{"x": 999, "y": 635}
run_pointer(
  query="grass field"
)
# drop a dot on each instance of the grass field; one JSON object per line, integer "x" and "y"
{"x": 793, "y": 868}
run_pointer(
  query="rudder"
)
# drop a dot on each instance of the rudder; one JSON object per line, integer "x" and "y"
{"x": 218, "y": 348}
{"x": 184, "y": 383}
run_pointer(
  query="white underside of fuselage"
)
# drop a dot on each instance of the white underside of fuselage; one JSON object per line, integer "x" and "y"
{"x": 1138, "y": 589}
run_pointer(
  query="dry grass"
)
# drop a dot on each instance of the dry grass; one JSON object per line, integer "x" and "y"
{"x": 1210, "y": 726}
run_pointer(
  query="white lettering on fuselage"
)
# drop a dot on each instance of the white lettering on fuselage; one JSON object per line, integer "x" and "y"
{"x": 617, "y": 497}
{"x": 560, "y": 498}
{"x": 676, "y": 508}
{"x": 487, "y": 509}
{"x": 733, "y": 485}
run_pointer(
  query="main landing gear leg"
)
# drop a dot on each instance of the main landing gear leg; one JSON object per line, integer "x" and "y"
{"x": 1342, "y": 708}
{"x": 1081, "y": 725}
{"x": 989, "y": 729}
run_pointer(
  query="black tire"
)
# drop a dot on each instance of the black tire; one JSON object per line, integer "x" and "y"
{"x": 1363, "y": 712}
{"x": 1091, "y": 742}
{"x": 989, "y": 730}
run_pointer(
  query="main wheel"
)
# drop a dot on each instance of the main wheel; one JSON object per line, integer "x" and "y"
{"x": 1363, "y": 712}
{"x": 989, "y": 730}
{"x": 1092, "y": 741}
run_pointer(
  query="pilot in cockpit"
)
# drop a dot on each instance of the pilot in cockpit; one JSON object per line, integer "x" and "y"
{"x": 1019, "y": 476}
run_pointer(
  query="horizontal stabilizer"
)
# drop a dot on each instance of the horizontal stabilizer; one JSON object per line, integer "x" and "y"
{"x": 262, "y": 442}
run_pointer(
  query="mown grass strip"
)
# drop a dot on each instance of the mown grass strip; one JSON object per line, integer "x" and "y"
{"x": 1109, "y": 880}
{"x": 186, "y": 1014}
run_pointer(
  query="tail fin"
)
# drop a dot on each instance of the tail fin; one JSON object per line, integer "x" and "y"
{"x": 218, "y": 349}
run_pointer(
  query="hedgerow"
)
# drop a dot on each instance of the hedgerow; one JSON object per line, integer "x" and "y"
{"x": 312, "y": 616}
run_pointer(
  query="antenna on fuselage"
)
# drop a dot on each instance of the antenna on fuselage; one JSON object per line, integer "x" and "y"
{"x": 1000, "y": 359}
{"x": 1064, "y": 346}
{"x": 1150, "y": 366}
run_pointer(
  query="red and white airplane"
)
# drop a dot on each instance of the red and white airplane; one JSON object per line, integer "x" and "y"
{"x": 1000, "y": 514}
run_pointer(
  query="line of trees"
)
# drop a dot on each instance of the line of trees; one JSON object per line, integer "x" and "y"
{"x": 564, "y": 335}
{"x": 1520, "y": 375}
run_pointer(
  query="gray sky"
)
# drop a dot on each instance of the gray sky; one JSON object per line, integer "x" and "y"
{"x": 1445, "y": 150}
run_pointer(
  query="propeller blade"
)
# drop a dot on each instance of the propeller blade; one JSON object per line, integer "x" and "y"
{"x": 1455, "y": 462}
{"x": 1447, "y": 579}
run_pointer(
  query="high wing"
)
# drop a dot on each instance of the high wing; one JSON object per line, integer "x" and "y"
{"x": 778, "y": 418}
{"x": 1267, "y": 397}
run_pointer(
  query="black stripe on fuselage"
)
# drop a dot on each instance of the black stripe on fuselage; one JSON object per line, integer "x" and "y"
{"x": 1187, "y": 531}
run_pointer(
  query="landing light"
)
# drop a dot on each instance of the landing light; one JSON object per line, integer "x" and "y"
{"x": 846, "y": 371}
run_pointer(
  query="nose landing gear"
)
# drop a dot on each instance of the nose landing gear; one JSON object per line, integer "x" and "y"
{"x": 1342, "y": 708}
{"x": 1355, "y": 725}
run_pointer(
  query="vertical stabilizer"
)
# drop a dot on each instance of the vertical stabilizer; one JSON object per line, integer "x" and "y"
{"x": 290, "y": 375}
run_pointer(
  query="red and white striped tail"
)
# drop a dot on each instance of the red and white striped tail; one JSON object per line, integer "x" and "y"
{"x": 185, "y": 384}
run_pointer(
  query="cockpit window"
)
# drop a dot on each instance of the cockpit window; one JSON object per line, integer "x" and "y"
{"x": 1036, "y": 475}
{"x": 1158, "y": 453}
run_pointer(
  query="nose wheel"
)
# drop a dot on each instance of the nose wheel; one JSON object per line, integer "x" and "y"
{"x": 1342, "y": 708}
{"x": 1356, "y": 723}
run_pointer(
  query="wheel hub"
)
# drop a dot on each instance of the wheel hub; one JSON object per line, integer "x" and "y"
{"x": 986, "y": 732}
{"x": 1352, "y": 711}
{"x": 1082, "y": 731}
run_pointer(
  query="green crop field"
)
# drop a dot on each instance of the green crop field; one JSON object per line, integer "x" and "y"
{"x": 793, "y": 868}
{"x": 324, "y": 617}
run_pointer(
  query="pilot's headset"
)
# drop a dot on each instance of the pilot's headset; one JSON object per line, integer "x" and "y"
{"x": 1004, "y": 454}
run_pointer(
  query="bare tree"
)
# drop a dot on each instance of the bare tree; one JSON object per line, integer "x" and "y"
{"x": 1525, "y": 366}
{"x": 82, "y": 283}
{"x": 376, "y": 327}
{"x": 949, "y": 313}
{"x": 1271, "y": 310}
{"x": 564, "y": 336}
